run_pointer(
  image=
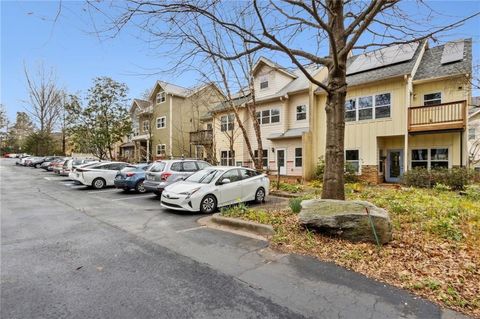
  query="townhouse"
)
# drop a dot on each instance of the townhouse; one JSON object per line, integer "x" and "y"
{"x": 474, "y": 133}
{"x": 282, "y": 103}
{"x": 406, "y": 107}
{"x": 162, "y": 123}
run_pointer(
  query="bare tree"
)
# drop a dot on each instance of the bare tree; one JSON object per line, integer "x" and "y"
{"x": 333, "y": 28}
{"x": 45, "y": 98}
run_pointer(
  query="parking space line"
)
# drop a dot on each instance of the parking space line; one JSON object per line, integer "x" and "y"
{"x": 105, "y": 191}
{"x": 132, "y": 197}
{"x": 190, "y": 229}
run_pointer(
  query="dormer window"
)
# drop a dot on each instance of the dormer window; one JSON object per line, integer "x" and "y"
{"x": 161, "y": 97}
{"x": 263, "y": 82}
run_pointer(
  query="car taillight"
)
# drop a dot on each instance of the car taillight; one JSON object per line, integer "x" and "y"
{"x": 165, "y": 175}
{"x": 130, "y": 174}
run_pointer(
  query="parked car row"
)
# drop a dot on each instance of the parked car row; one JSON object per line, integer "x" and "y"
{"x": 186, "y": 184}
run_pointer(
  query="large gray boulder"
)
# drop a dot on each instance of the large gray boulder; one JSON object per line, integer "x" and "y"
{"x": 346, "y": 219}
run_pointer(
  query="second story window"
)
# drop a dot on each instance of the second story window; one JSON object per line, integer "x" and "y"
{"x": 146, "y": 126}
{"x": 268, "y": 116}
{"x": 263, "y": 81}
{"x": 301, "y": 112}
{"x": 368, "y": 107}
{"x": 432, "y": 99}
{"x": 227, "y": 123}
{"x": 161, "y": 122}
{"x": 471, "y": 133}
{"x": 161, "y": 97}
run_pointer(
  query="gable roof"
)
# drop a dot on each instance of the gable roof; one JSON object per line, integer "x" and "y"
{"x": 301, "y": 82}
{"x": 170, "y": 89}
{"x": 474, "y": 106}
{"x": 273, "y": 65}
{"x": 431, "y": 65}
{"x": 140, "y": 103}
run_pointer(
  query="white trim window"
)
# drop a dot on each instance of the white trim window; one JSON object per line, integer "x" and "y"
{"x": 432, "y": 98}
{"x": 368, "y": 107}
{"x": 227, "y": 122}
{"x": 301, "y": 112}
{"x": 352, "y": 158}
{"x": 264, "y": 157}
{"x": 227, "y": 158}
{"x": 161, "y": 122}
{"x": 161, "y": 149}
{"x": 270, "y": 116}
{"x": 430, "y": 158}
{"x": 161, "y": 97}
{"x": 298, "y": 157}
{"x": 146, "y": 126}
{"x": 263, "y": 82}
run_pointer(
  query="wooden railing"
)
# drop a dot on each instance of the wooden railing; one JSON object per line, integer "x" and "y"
{"x": 202, "y": 137}
{"x": 445, "y": 116}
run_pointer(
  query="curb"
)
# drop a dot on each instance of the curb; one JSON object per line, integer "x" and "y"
{"x": 284, "y": 195}
{"x": 261, "y": 229}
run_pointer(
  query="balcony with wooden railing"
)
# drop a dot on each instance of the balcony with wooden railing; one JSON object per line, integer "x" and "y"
{"x": 201, "y": 137}
{"x": 438, "y": 117}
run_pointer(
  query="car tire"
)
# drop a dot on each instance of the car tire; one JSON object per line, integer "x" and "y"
{"x": 260, "y": 196}
{"x": 140, "y": 188}
{"x": 99, "y": 183}
{"x": 208, "y": 205}
{"x": 36, "y": 165}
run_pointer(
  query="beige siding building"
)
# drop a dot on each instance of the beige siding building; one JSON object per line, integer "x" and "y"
{"x": 162, "y": 124}
{"x": 404, "y": 111}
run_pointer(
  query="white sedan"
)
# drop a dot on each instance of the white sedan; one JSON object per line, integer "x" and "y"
{"x": 100, "y": 175}
{"x": 214, "y": 187}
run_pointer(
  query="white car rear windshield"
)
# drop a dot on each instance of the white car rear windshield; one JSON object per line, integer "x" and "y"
{"x": 204, "y": 176}
{"x": 158, "y": 167}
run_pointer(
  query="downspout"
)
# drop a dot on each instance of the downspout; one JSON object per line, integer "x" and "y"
{"x": 461, "y": 149}
{"x": 170, "y": 126}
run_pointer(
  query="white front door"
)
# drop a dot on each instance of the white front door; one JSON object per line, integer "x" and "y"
{"x": 282, "y": 161}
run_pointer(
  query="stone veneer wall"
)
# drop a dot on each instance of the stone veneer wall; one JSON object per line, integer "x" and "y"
{"x": 370, "y": 174}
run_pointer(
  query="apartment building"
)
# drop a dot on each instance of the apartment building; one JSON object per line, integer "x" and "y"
{"x": 282, "y": 101}
{"x": 163, "y": 122}
{"x": 474, "y": 133}
{"x": 406, "y": 107}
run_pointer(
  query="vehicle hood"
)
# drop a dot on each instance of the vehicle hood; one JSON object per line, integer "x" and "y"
{"x": 182, "y": 186}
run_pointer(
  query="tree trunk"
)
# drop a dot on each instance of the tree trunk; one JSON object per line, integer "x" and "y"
{"x": 333, "y": 176}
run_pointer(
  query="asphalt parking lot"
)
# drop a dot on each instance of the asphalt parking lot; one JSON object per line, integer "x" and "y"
{"x": 69, "y": 251}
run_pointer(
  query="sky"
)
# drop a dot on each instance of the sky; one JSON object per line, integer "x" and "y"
{"x": 29, "y": 37}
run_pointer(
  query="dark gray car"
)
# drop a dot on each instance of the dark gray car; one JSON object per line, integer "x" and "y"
{"x": 166, "y": 172}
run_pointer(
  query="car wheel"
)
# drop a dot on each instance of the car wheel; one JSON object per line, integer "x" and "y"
{"x": 208, "y": 204}
{"x": 98, "y": 183}
{"x": 139, "y": 187}
{"x": 260, "y": 196}
{"x": 36, "y": 165}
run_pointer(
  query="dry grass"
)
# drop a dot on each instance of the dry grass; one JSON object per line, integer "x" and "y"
{"x": 435, "y": 252}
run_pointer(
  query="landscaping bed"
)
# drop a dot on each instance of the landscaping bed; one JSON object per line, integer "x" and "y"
{"x": 435, "y": 251}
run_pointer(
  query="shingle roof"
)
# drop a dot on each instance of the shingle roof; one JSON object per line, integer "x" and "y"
{"x": 142, "y": 103}
{"x": 273, "y": 65}
{"x": 431, "y": 66}
{"x": 291, "y": 133}
{"x": 174, "y": 89}
{"x": 224, "y": 105}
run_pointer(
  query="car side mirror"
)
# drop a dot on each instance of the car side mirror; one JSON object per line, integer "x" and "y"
{"x": 225, "y": 181}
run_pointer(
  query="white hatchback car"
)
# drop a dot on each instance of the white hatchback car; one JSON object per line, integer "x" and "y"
{"x": 214, "y": 187}
{"x": 100, "y": 175}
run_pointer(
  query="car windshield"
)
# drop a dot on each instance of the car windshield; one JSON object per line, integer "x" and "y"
{"x": 204, "y": 176}
{"x": 157, "y": 167}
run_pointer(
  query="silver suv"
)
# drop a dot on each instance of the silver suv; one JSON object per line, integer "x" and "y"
{"x": 166, "y": 172}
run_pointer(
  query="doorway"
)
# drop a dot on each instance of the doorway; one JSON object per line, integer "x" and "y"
{"x": 281, "y": 155}
{"x": 394, "y": 166}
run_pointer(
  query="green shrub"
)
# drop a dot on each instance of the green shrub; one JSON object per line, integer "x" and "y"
{"x": 455, "y": 178}
{"x": 320, "y": 169}
{"x": 291, "y": 188}
{"x": 418, "y": 177}
{"x": 472, "y": 192}
{"x": 295, "y": 204}
{"x": 442, "y": 187}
